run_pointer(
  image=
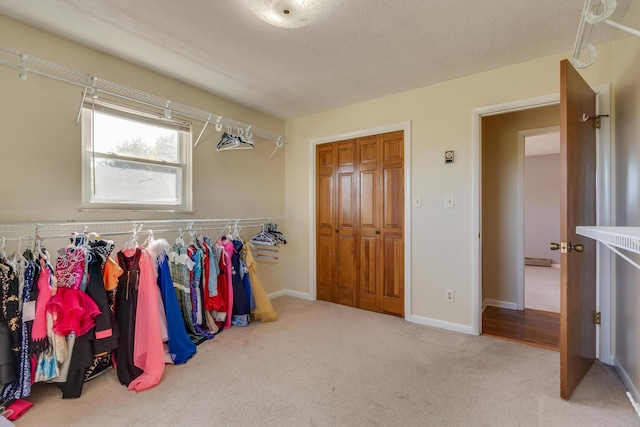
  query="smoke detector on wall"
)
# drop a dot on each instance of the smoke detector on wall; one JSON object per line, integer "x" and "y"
{"x": 287, "y": 13}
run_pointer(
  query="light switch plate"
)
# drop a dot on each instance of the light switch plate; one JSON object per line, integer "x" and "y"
{"x": 417, "y": 201}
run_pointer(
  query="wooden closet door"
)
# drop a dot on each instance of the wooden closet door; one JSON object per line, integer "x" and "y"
{"x": 369, "y": 204}
{"x": 392, "y": 257}
{"x": 325, "y": 222}
{"x": 345, "y": 222}
{"x": 360, "y": 222}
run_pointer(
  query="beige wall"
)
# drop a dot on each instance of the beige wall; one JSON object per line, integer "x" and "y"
{"x": 500, "y": 198}
{"x": 41, "y": 149}
{"x": 541, "y": 206}
{"x": 627, "y": 202}
{"x": 440, "y": 117}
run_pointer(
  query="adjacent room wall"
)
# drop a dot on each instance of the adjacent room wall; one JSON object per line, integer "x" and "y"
{"x": 41, "y": 146}
{"x": 626, "y": 293}
{"x": 441, "y": 119}
{"x": 541, "y": 206}
{"x": 500, "y": 198}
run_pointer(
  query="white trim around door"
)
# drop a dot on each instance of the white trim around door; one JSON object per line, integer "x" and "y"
{"x": 605, "y": 193}
{"x": 403, "y": 126}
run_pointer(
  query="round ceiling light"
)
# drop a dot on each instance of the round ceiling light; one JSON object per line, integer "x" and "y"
{"x": 287, "y": 13}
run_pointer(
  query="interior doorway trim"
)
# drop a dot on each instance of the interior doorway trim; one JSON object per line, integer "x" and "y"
{"x": 522, "y": 135}
{"x": 403, "y": 126}
{"x": 605, "y": 195}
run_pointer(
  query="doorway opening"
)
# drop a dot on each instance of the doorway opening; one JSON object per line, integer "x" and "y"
{"x": 520, "y": 213}
{"x": 541, "y": 198}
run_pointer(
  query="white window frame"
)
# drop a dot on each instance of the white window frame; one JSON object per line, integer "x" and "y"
{"x": 184, "y": 164}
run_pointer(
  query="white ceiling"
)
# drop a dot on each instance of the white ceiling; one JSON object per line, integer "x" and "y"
{"x": 356, "y": 50}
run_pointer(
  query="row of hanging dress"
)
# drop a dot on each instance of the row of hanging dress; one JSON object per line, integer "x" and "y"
{"x": 136, "y": 309}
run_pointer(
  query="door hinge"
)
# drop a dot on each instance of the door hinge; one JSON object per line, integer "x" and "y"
{"x": 597, "y": 123}
{"x": 596, "y": 317}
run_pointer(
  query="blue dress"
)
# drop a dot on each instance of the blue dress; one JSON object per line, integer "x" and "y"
{"x": 181, "y": 347}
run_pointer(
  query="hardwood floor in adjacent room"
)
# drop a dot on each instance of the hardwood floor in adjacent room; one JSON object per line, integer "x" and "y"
{"x": 531, "y": 327}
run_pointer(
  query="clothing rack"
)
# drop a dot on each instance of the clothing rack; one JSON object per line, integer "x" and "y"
{"x": 15, "y": 231}
{"x": 93, "y": 86}
{"x": 592, "y": 15}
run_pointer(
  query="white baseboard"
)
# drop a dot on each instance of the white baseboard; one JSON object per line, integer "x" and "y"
{"x": 626, "y": 380}
{"x": 455, "y": 327}
{"x": 287, "y": 292}
{"x": 500, "y": 304}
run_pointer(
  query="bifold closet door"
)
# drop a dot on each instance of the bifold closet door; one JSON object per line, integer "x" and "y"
{"x": 335, "y": 219}
{"x": 392, "y": 227}
{"x": 360, "y": 222}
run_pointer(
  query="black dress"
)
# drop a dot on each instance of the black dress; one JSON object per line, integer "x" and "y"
{"x": 126, "y": 306}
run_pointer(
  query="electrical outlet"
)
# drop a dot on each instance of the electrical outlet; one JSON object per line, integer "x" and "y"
{"x": 449, "y": 295}
{"x": 450, "y": 201}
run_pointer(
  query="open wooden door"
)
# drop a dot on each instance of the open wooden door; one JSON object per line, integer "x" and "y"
{"x": 578, "y": 207}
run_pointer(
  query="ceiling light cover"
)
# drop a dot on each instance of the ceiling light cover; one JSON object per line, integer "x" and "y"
{"x": 287, "y": 13}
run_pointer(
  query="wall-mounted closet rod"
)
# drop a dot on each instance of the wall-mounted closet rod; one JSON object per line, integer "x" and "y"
{"x": 120, "y": 233}
{"x": 25, "y": 64}
{"x": 105, "y": 226}
{"x": 588, "y": 18}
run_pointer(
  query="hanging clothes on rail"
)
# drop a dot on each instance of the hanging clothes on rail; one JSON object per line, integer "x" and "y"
{"x": 180, "y": 265}
{"x": 195, "y": 278}
{"x": 181, "y": 347}
{"x": 75, "y": 311}
{"x": 222, "y": 303}
{"x": 264, "y": 311}
{"x": 140, "y": 355}
{"x": 43, "y": 351}
{"x": 241, "y": 300}
{"x": 11, "y": 316}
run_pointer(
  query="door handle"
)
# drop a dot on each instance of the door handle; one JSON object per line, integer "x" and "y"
{"x": 377, "y": 231}
{"x": 577, "y": 248}
{"x": 564, "y": 247}
{"x": 337, "y": 230}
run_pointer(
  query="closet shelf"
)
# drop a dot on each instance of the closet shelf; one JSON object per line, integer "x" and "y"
{"x": 615, "y": 238}
{"x": 93, "y": 85}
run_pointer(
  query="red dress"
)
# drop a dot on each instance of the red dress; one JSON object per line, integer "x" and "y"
{"x": 74, "y": 311}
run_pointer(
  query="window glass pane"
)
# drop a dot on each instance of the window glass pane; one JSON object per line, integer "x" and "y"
{"x": 118, "y": 181}
{"x": 134, "y": 139}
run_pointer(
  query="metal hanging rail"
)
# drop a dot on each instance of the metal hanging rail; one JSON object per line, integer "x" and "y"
{"x": 589, "y": 17}
{"x": 94, "y": 85}
{"x": 19, "y": 230}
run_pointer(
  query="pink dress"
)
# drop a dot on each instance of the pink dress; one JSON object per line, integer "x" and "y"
{"x": 74, "y": 310}
{"x": 148, "y": 352}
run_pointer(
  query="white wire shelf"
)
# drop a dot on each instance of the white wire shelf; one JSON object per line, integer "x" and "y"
{"x": 615, "y": 238}
{"x": 26, "y": 64}
{"x": 25, "y": 229}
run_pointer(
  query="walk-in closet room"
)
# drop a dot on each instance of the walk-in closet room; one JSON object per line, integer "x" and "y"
{"x": 319, "y": 213}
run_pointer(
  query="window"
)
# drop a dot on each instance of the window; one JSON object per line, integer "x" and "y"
{"x": 134, "y": 160}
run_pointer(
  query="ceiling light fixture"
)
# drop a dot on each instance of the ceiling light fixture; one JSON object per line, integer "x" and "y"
{"x": 287, "y": 13}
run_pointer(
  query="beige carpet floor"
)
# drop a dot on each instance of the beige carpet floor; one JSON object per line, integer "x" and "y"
{"x": 542, "y": 288}
{"x": 323, "y": 364}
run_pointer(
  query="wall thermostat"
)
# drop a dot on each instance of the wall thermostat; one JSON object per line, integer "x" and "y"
{"x": 448, "y": 156}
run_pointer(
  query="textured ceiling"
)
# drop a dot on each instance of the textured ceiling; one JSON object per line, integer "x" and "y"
{"x": 356, "y": 50}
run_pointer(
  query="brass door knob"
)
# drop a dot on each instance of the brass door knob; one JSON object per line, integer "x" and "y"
{"x": 555, "y": 246}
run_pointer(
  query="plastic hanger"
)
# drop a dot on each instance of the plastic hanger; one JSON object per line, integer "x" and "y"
{"x": 263, "y": 238}
{"x": 149, "y": 239}
{"x": 132, "y": 243}
{"x": 180, "y": 238}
